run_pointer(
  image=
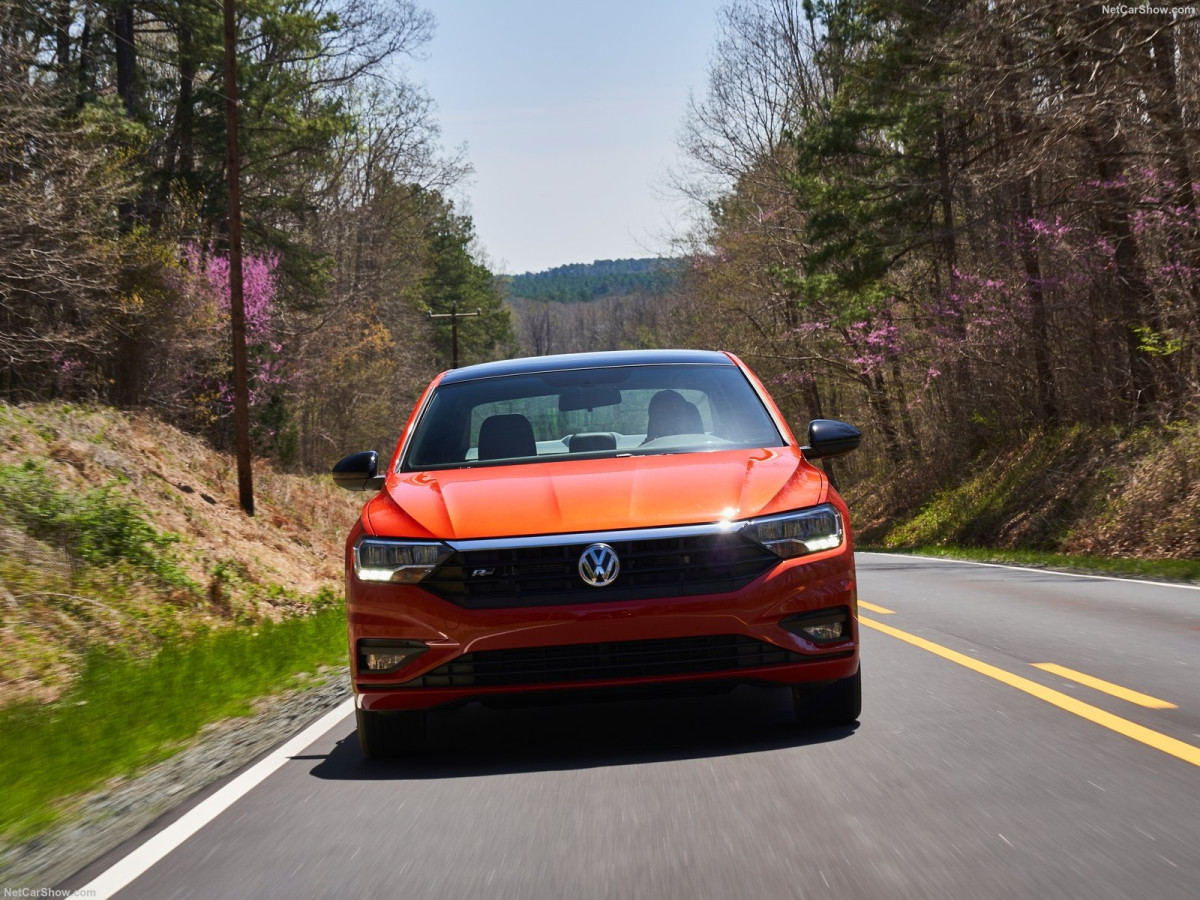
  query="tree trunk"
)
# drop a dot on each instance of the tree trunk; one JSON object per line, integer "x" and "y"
{"x": 122, "y": 27}
{"x": 184, "y": 155}
{"x": 1044, "y": 388}
{"x": 1168, "y": 112}
{"x": 912, "y": 444}
{"x": 881, "y": 405}
{"x": 85, "y": 58}
{"x": 1177, "y": 139}
{"x": 960, "y": 371}
{"x": 1135, "y": 293}
{"x": 126, "y": 58}
{"x": 1045, "y": 391}
{"x": 62, "y": 41}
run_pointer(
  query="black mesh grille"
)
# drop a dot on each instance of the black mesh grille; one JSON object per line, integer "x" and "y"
{"x": 599, "y": 662}
{"x": 541, "y": 576}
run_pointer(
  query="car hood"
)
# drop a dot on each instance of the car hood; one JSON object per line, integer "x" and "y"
{"x": 594, "y": 495}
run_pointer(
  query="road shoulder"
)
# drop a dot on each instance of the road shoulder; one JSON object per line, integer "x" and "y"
{"x": 123, "y": 808}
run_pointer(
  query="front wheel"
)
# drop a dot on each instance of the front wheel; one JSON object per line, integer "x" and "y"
{"x": 838, "y": 703}
{"x": 384, "y": 735}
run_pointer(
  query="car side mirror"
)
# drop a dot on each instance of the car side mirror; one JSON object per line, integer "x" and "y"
{"x": 359, "y": 472}
{"x": 829, "y": 437}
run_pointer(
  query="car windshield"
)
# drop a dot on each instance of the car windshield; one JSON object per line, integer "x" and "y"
{"x": 589, "y": 413}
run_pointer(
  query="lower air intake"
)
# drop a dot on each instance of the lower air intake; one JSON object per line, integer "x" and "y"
{"x": 601, "y": 662}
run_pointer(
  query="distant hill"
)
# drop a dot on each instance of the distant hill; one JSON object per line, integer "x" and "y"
{"x": 581, "y": 282}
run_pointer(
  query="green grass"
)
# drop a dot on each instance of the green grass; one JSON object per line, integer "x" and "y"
{"x": 1169, "y": 569}
{"x": 1025, "y": 497}
{"x": 124, "y": 713}
{"x": 97, "y": 527}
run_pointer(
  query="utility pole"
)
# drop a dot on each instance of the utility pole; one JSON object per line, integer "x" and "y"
{"x": 237, "y": 306}
{"x": 454, "y": 315}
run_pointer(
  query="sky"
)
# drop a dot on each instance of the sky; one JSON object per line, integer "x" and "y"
{"x": 570, "y": 112}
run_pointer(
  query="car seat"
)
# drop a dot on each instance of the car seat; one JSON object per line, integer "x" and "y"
{"x": 670, "y": 413}
{"x": 506, "y": 437}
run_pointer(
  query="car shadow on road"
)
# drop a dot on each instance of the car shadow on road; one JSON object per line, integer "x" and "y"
{"x": 475, "y": 740}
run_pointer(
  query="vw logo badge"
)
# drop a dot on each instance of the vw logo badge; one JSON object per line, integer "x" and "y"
{"x": 599, "y": 565}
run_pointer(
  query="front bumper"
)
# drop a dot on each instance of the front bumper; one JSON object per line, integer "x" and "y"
{"x": 745, "y": 623}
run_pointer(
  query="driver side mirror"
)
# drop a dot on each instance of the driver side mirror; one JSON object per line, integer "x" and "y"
{"x": 359, "y": 472}
{"x": 829, "y": 437}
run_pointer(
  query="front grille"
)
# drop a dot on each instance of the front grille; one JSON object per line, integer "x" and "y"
{"x": 650, "y": 568}
{"x": 600, "y": 662}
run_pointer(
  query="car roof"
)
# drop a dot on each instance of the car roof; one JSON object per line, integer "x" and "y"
{"x": 530, "y": 364}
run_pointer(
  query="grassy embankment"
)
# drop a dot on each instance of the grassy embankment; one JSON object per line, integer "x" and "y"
{"x": 1079, "y": 499}
{"x": 124, "y": 712}
{"x": 137, "y": 603}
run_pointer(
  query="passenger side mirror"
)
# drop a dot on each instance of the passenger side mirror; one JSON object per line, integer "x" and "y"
{"x": 829, "y": 437}
{"x": 359, "y": 472}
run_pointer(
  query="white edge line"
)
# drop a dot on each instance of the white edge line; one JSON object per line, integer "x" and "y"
{"x": 138, "y": 861}
{"x": 971, "y": 562}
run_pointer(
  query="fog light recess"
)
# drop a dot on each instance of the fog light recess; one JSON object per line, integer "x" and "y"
{"x": 381, "y": 656}
{"x": 827, "y": 626}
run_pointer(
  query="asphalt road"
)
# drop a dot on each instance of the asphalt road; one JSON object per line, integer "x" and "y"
{"x": 972, "y": 774}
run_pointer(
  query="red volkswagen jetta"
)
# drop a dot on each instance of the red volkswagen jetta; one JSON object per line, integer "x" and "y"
{"x": 598, "y": 520}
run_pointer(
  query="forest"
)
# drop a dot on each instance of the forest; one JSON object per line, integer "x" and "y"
{"x": 960, "y": 224}
{"x": 113, "y": 217}
{"x": 581, "y": 282}
{"x": 969, "y": 218}
{"x": 956, "y": 224}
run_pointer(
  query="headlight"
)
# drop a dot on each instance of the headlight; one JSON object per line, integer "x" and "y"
{"x": 798, "y": 533}
{"x": 405, "y": 562}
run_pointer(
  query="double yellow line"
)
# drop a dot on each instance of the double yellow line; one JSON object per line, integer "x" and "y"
{"x": 1140, "y": 733}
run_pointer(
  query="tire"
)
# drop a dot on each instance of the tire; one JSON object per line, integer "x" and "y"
{"x": 386, "y": 735}
{"x": 838, "y": 703}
